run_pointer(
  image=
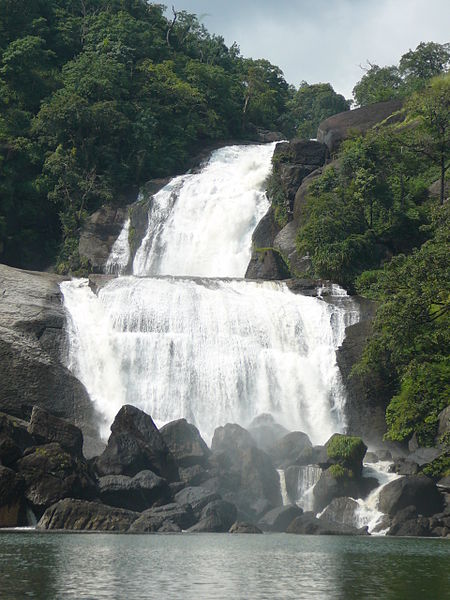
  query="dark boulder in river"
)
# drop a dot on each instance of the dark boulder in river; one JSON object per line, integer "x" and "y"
{"x": 413, "y": 490}
{"x": 51, "y": 473}
{"x": 289, "y": 448}
{"x": 278, "y": 519}
{"x": 79, "y": 515}
{"x": 12, "y": 486}
{"x": 216, "y": 517}
{"x": 14, "y": 438}
{"x": 185, "y": 443}
{"x": 178, "y": 516}
{"x": 308, "y": 524}
{"x": 45, "y": 427}
{"x": 134, "y": 445}
{"x": 134, "y": 493}
{"x": 241, "y": 527}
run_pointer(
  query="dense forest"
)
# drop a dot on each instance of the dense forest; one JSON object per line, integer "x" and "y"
{"x": 99, "y": 96}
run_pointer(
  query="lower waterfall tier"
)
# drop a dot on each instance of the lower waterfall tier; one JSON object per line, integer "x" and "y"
{"x": 210, "y": 350}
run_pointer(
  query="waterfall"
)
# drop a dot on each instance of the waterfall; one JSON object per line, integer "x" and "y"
{"x": 308, "y": 476}
{"x": 120, "y": 252}
{"x": 283, "y": 489}
{"x": 176, "y": 339}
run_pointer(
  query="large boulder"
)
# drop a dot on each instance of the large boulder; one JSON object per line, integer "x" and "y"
{"x": 336, "y": 484}
{"x": 231, "y": 437}
{"x": 171, "y": 517}
{"x": 134, "y": 493}
{"x": 242, "y": 527}
{"x": 51, "y": 473}
{"x": 12, "y": 487}
{"x": 99, "y": 233}
{"x": 339, "y": 127}
{"x": 267, "y": 264}
{"x": 32, "y": 342}
{"x": 14, "y": 439}
{"x": 197, "y": 497}
{"x": 286, "y": 245}
{"x": 347, "y": 451}
{"x": 185, "y": 443}
{"x": 279, "y": 518}
{"x": 79, "y": 515}
{"x": 266, "y": 431}
{"x": 134, "y": 445}
{"x": 413, "y": 490}
{"x": 287, "y": 450}
{"x": 216, "y": 517}
{"x": 341, "y": 510}
{"x": 308, "y": 524}
{"x": 45, "y": 427}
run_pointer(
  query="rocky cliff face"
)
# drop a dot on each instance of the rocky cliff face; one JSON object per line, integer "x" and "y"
{"x": 32, "y": 342}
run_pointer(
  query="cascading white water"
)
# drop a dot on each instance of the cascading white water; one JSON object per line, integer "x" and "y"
{"x": 210, "y": 350}
{"x": 283, "y": 488}
{"x": 308, "y": 476}
{"x": 201, "y": 224}
{"x": 120, "y": 252}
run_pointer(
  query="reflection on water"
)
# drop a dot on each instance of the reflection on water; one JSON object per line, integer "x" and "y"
{"x": 99, "y": 566}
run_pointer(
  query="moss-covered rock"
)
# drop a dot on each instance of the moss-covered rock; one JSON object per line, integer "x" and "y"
{"x": 347, "y": 452}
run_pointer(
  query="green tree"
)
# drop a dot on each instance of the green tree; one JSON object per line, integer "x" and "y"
{"x": 426, "y": 61}
{"x": 378, "y": 84}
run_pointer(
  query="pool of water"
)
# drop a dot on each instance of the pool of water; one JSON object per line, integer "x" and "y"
{"x": 219, "y": 566}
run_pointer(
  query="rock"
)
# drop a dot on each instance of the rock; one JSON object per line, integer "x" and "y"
{"x": 347, "y": 451}
{"x": 403, "y": 466}
{"x": 407, "y": 523}
{"x": 366, "y": 403}
{"x": 134, "y": 445}
{"x": 134, "y": 493}
{"x": 231, "y": 437}
{"x": 45, "y": 427}
{"x": 79, "y": 515}
{"x": 444, "y": 424}
{"x": 371, "y": 457}
{"x": 14, "y": 438}
{"x": 197, "y": 497}
{"x": 267, "y": 264}
{"x": 266, "y": 231}
{"x": 279, "y": 518}
{"x": 193, "y": 476}
{"x": 444, "y": 483}
{"x": 248, "y": 479}
{"x": 241, "y": 527}
{"x": 299, "y": 212}
{"x": 286, "y": 244}
{"x": 32, "y": 341}
{"x": 330, "y": 487}
{"x": 339, "y": 127}
{"x": 413, "y": 490}
{"x": 434, "y": 191}
{"x": 185, "y": 443}
{"x": 99, "y": 233}
{"x": 163, "y": 518}
{"x": 308, "y": 524}
{"x": 341, "y": 510}
{"x": 265, "y": 136}
{"x": 301, "y": 152}
{"x": 266, "y": 431}
{"x": 287, "y": 449}
{"x": 216, "y": 517}
{"x": 424, "y": 456}
{"x": 51, "y": 474}
{"x": 12, "y": 487}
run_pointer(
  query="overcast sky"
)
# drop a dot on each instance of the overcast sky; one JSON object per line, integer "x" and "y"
{"x": 324, "y": 40}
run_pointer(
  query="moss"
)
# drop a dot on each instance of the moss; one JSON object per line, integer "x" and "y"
{"x": 340, "y": 472}
{"x": 440, "y": 467}
{"x": 346, "y": 448}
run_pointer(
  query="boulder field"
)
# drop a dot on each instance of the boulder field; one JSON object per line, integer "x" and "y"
{"x": 148, "y": 480}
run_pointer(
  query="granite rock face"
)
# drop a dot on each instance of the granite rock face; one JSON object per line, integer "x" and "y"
{"x": 337, "y": 128}
{"x": 32, "y": 344}
{"x": 185, "y": 443}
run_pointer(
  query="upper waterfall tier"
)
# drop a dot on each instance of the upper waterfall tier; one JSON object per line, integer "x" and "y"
{"x": 201, "y": 224}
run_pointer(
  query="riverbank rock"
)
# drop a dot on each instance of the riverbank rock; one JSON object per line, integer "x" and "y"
{"x": 51, "y": 474}
{"x": 346, "y": 451}
{"x": 171, "y": 517}
{"x": 45, "y": 427}
{"x": 231, "y": 437}
{"x": 32, "y": 342}
{"x": 197, "y": 498}
{"x": 308, "y": 524}
{"x": 339, "y": 127}
{"x": 134, "y": 445}
{"x": 418, "y": 491}
{"x": 216, "y": 517}
{"x": 241, "y": 527}
{"x": 185, "y": 443}
{"x": 333, "y": 485}
{"x": 278, "y": 519}
{"x": 341, "y": 510}
{"x": 14, "y": 439}
{"x": 134, "y": 493}
{"x": 12, "y": 487}
{"x": 79, "y": 515}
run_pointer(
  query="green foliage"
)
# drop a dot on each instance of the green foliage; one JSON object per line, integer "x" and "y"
{"x": 440, "y": 467}
{"x": 340, "y": 472}
{"x": 312, "y": 104}
{"x": 278, "y": 198}
{"x": 97, "y": 97}
{"x": 346, "y": 449}
{"x": 416, "y": 67}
